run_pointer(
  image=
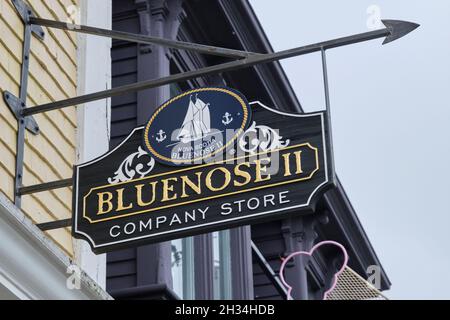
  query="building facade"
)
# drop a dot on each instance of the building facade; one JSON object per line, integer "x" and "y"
{"x": 220, "y": 265}
{"x": 240, "y": 263}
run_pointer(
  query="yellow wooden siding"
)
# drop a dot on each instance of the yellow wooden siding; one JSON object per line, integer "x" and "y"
{"x": 53, "y": 76}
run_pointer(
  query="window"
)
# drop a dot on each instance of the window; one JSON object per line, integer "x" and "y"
{"x": 222, "y": 265}
{"x": 183, "y": 275}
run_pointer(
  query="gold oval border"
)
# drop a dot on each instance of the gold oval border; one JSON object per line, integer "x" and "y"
{"x": 241, "y": 129}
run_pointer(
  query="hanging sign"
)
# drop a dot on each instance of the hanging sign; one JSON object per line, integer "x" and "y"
{"x": 206, "y": 160}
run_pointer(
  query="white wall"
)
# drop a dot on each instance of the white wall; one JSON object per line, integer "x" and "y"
{"x": 94, "y": 117}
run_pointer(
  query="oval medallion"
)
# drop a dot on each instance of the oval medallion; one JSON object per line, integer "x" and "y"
{"x": 196, "y": 126}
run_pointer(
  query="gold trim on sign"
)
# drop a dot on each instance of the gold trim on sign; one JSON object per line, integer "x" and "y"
{"x": 240, "y": 130}
{"x": 316, "y": 151}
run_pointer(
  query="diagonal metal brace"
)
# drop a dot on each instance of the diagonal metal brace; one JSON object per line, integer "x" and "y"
{"x": 26, "y": 13}
{"x": 16, "y": 106}
{"x": 394, "y": 29}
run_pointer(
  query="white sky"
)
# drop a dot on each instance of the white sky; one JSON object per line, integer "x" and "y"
{"x": 391, "y": 128}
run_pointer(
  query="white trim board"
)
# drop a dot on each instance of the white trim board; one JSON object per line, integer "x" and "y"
{"x": 32, "y": 267}
{"x": 94, "y": 118}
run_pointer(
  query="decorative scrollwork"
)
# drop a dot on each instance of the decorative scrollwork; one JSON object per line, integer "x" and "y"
{"x": 261, "y": 138}
{"x": 129, "y": 169}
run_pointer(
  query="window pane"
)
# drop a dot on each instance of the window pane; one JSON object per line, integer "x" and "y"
{"x": 183, "y": 268}
{"x": 188, "y": 269}
{"x": 222, "y": 265}
{"x": 177, "y": 267}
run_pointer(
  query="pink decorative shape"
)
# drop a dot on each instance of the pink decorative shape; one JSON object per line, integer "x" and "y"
{"x": 309, "y": 253}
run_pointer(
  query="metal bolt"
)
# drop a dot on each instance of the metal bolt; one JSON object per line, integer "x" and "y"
{"x": 22, "y": 121}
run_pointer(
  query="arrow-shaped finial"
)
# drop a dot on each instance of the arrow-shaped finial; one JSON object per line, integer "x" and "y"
{"x": 398, "y": 29}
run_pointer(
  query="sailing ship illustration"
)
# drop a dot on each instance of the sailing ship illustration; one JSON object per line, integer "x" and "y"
{"x": 197, "y": 122}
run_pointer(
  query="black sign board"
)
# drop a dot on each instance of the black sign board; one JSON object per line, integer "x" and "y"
{"x": 266, "y": 165}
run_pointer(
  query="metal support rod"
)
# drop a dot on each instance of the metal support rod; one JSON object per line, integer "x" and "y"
{"x": 328, "y": 105}
{"x": 139, "y": 38}
{"x": 394, "y": 30}
{"x": 21, "y": 120}
{"x": 54, "y": 225}
{"x": 45, "y": 186}
{"x": 325, "y": 80}
{"x": 268, "y": 271}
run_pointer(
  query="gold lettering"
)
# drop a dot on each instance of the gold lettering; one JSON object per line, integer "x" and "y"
{"x": 167, "y": 188}
{"x": 287, "y": 167}
{"x": 142, "y": 203}
{"x": 298, "y": 161}
{"x": 196, "y": 187}
{"x": 260, "y": 170}
{"x": 102, "y": 201}
{"x": 244, "y": 174}
{"x": 120, "y": 206}
{"x": 224, "y": 185}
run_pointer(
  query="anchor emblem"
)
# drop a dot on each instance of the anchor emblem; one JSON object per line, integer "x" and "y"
{"x": 161, "y": 136}
{"x": 227, "y": 119}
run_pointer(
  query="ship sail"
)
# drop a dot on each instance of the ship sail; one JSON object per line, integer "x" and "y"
{"x": 197, "y": 121}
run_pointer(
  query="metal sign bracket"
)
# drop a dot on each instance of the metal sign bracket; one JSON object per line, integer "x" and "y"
{"x": 25, "y": 12}
{"x": 16, "y": 104}
{"x": 241, "y": 59}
